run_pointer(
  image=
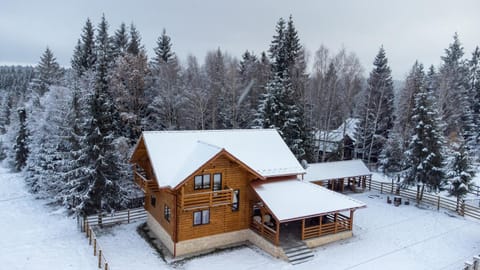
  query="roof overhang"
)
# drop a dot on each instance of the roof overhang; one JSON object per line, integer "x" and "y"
{"x": 292, "y": 199}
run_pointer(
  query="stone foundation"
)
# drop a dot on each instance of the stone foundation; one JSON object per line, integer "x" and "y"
{"x": 160, "y": 233}
{"x": 319, "y": 241}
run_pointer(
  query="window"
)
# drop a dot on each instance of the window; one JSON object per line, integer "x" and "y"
{"x": 217, "y": 181}
{"x": 166, "y": 212}
{"x": 202, "y": 181}
{"x": 201, "y": 217}
{"x": 153, "y": 200}
{"x": 236, "y": 200}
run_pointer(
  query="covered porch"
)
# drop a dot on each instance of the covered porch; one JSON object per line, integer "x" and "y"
{"x": 288, "y": 211}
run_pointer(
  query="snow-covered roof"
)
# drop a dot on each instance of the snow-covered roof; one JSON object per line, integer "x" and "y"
{"x": 332, "y": 137}
{"x": 294, "y": 199}
{"x": 175, "y": 155}
{"x": 336, "y": 170}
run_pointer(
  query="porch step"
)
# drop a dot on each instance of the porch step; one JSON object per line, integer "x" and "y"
{"x": 299, "y": 254}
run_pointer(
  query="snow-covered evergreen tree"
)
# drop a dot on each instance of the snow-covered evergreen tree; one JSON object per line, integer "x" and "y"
{"x": 48, "y": 73}
{"x": 392, "y": 155}
{"x": 376, "y": 113}
{"x": 134, "y": 44}
{"x": 84, "y": 57}
{"x": 425, "y": 154}
{"x": 120, "y": 41}
{"x": 474, "y": 94}
{"x": 460, "y": 173}
{"x": 21, "y": 146}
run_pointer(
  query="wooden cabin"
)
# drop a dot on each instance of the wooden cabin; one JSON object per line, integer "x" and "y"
{"x": 340, "y": 176}
{"x": 208, "y": 189}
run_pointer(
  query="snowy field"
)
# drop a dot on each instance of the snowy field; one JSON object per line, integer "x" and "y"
{"x": 36, "y": 236}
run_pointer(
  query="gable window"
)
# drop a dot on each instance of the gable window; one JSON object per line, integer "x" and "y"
{"x": 217, "y": 181}
{"x": 153, "y": 200}
{"x": 166, "y": 213}
{"x": 236, "y": 200}
{"x": 201, "y": 217}
{"x": 202, "y": 181}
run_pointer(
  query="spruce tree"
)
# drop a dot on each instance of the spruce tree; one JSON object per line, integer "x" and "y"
{"x": 84, "y": 57}
{"x": 120, "y": 41}
{"x": 48, "y": 72}
{"x": 425, "y": 154}
{"x": 376, "y": 112}
{"x": 460, "y": 173}
{"x": 135, "y": 41}
{"x": 474, "y": 94}
{"x": 163, "y": 51}
{"x": 21, "y": 146}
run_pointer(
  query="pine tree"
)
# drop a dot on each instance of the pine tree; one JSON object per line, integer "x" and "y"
{"x": 278, "y": 110}
{"x": 454, "y": 100}
{"x": 460, "y": 174}
{"x": 135, "y": 41}
{"x": 21, "y": 147}
{"x": 163, "y": 51}
{"x": 391, "y": 158}
{"x": 120, "y": 41}
{"x": 425, "y": 155}
{"x": 376, "y": 113}
{"x": 48, "y": 73}
{"x": 84, "y": 57}
{"x": 474, "y": 94}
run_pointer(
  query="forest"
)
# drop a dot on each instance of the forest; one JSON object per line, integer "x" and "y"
{"x": 71, "y": 130}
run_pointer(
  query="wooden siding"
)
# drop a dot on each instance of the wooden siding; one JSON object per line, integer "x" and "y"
{"x": 163, "y": 197}
{"x": 222, "y": 218}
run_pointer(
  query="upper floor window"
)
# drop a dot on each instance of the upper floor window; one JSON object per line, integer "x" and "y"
{"x": 202, "y": 181}
{"x": 166, "y": 212}
{"x": 236, "y": 200}
{"x": 201, "y": 217}
{"x": 153, "y": 200}
{"x": 217, "y": 181}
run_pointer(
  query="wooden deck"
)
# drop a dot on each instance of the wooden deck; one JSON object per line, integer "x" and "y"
{"x": 197, "y": 200}
{"x": 325, "y": 225}
{"x": 147, "y": 185}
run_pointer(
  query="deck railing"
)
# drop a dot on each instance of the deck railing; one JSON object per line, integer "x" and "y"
{"x": 265, "y": 231}
{"x": 145, "y": 184}
{"x": 207, "y": 199}
{"x": 328, "y": 226}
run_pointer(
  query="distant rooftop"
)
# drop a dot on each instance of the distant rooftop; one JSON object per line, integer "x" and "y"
{"x": 336, "y": 170}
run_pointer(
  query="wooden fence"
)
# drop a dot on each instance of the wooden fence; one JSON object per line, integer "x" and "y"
{"x": 437, "y": 201}
{"x": 87, "y": 225}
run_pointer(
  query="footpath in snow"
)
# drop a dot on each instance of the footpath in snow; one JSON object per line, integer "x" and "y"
{"x": 36, "y": 236}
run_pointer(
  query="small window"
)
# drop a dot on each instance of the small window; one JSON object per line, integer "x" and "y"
{"x": 217, "y": 181}
{"x": 236, "y": 200}
{"x": 153, "y": 200}
{"x": 202, "y": 181}
{"x": 166, "y": 212}
{"x": 201, "y": 217}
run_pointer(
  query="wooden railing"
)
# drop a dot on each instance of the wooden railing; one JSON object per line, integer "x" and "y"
{"x": 265, "y": 231}
{"x": 206, "y": 199}
{"x": 327, "y": 226}
{"x": 145, "y": 184}
{"x": 437, "y": 201}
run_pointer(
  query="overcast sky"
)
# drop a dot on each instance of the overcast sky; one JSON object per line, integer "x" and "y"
{"x": 408, "y": 29}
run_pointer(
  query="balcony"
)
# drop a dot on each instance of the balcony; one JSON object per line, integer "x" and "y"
{"x": 206, "y": 199}
{"x": 145, "y": 184}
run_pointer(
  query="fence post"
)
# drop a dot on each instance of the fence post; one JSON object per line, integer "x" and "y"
{"x": 381, "y": 188}
{"x": 128, "y": 216}
{"x": 462, "y": 208}
{"x": 438, "y": 203}
{"x": 94, "y": 247}
{"x": 90, "y": 237}
{"x": 370, "y": 184}
{"x": 100, "y": 219}
{"x": 106, "y": 266}
{"x": 100, "y": 258}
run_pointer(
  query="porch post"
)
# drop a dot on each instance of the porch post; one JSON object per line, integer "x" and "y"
{"x": 277, "y": 239}
{"x": 351, "y": 219}
{"x": 303, "y": 229}
{"x": 320, "y": 226}
{"x": 336, "y": 220}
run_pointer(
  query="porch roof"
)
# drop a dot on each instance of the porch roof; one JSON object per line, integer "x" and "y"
{"x": 294, "y": 199}
{"x": 336, "y": 170}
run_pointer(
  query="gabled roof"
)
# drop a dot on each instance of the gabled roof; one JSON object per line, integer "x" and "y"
{"x": 336, "y": 170}
{"x": 347, "y": 128}
{"x": 175, "y": 155}
{"x": 304, "y": 199}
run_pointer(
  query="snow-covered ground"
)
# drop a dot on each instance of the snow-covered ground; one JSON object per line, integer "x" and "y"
{"x": 36, "y": 236}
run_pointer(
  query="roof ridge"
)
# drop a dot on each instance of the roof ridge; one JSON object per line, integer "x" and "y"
{"x": 211, "y": 130}
{"x": 210, "y": 144}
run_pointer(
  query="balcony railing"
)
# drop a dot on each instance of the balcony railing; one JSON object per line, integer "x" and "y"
{"x": 207, "y": 199}
{"x": 145, "y": 184}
